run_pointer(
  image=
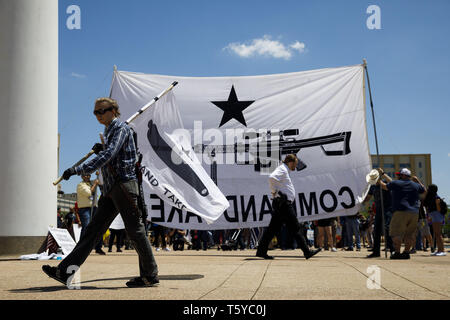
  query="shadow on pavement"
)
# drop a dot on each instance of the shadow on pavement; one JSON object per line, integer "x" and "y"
{"x": 56, "y": 288}
{"x": 252, "y": 257}
{"x": 365, "y": 258}
{"x": 9, "y": 259}
{"x": 161, "y": 277}
{"x": 285, "y": 258}
{"x": 82, "y": 287}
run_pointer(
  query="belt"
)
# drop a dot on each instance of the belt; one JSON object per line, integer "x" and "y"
{"x": 280, "y": 198}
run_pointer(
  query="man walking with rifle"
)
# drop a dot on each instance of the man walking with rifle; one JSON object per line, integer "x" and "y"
{"x": 283, "y": 194}
{"x": 117, "y": 160}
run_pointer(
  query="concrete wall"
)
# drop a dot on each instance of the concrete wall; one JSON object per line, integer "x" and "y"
{"x": 28, "y": 121}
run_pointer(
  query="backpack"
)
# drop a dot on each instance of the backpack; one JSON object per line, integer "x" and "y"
{"x": 443, "y": 206}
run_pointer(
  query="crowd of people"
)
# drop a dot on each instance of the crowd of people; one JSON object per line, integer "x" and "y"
{"x": 408, "y": 210}
{"x": 347, "y": 233}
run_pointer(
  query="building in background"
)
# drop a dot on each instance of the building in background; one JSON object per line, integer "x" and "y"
{"x": 66, "y": 201}
{"x": 419, "y": 164}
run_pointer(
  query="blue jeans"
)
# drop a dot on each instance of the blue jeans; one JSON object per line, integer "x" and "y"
{"x": 344, "y": 231}
{"x": 352, "y": 228}
{"x": 85, "y": 218}
{"x": 378, "y": 231}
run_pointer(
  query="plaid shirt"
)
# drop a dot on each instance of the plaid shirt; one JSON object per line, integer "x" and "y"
{"x": 120, "y": 152}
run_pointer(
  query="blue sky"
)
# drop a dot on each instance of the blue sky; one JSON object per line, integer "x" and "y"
{"x": 408, "y": 59}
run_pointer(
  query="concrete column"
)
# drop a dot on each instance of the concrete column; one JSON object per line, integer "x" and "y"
{"x": 28, "y": 122}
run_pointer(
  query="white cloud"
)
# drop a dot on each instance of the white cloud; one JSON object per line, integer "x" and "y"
{"x": 299, "y": 46}
{"x": 265, "y": 46}
{"x": 77, "y": 75}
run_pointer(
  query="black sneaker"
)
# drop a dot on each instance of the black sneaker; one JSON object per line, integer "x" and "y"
{"x": 312, "y": 253}
{"x": 142, "y": 282}
{"x": 349, "y": 249}
{"x": 264, "y": 256}
{"x": 55, "y": 273}
{"x": 373, "y": 255}
{"x": 396, "y": 256}
{"x": 100, "y": 252}
{"x": 405, "y": 255}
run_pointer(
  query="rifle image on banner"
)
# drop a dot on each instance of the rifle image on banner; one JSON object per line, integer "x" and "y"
{"x": 293, "y": 146}
{"x": 134, "y": 116}
{"x": 265, "y": 149}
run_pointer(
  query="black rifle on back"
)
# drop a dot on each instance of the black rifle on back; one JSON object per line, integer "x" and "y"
{"x": 138, "y": 169}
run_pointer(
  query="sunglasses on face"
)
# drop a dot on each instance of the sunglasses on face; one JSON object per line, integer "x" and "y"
{"x": 102, "y": 111}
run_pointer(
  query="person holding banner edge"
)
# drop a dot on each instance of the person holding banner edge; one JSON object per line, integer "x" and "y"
{"x": 406, "y": 193}
{"x": 117, "y": 161}
{"x": 381, "y": 208}
{"x": 283, "y": 195}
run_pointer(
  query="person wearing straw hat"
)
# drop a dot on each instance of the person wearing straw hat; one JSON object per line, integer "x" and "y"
{"x": 116, "y": 159}
{"x": 374, "y": 191}
{"x": 405, "y": 205}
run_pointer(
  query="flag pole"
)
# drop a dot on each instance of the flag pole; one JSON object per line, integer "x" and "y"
{"x": 378, "y": 157}
{"x": 133, "y": 117}
{"x": 76, "y": 164}
{"x": 145, "y": 107}
{"x": 112, "y": 80}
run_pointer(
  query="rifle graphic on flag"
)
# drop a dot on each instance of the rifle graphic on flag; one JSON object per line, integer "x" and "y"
{"x": 269, "y": 148}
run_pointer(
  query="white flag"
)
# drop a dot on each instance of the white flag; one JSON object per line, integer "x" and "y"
{"x": 170, "y": 167}
{"x": 242, "y": 127}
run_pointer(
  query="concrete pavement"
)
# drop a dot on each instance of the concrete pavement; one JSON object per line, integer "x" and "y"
{"x": 219, "y": 275}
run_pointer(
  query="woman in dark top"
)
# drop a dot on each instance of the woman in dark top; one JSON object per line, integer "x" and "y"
{"x": 432, "y": 204}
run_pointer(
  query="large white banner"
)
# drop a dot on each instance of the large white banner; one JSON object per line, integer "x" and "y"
{"x": 241, "y": 127}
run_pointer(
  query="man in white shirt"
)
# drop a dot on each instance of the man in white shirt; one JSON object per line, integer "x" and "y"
{"x": 283, "y": 195}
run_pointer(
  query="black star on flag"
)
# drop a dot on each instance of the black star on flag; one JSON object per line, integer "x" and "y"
{"x": 232, "y": 108}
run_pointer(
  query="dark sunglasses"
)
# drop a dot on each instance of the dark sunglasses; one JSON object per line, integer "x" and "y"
{"x": 102, "y": 111}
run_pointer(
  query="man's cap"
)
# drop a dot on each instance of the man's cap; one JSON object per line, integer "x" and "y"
{"x": 405, "y": 172}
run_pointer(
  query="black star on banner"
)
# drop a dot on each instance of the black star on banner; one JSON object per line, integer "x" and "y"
{"x": 232, "y": 108}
